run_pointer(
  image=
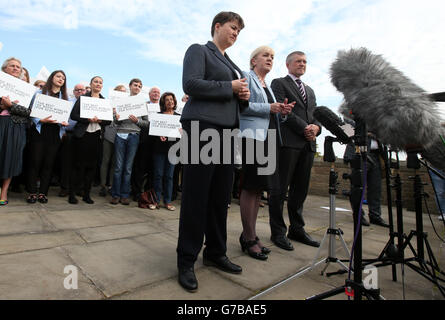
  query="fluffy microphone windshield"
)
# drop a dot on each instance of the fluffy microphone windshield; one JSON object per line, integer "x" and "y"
{"x": 399, "y": 112}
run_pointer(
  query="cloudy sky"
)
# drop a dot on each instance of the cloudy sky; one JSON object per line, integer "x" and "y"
{"x": 120, "y": 40}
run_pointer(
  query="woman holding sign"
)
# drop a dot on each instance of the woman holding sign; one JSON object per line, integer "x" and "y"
{"x": 13, "y": 120}
{"x": 217, "y": 93}
{"x": 163, "y": 169}
{"x": 87, "y": 137}
{"x": 44, "y": 140}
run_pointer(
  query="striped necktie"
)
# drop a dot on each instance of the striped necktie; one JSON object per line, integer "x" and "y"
{"x": 300, "y": 86}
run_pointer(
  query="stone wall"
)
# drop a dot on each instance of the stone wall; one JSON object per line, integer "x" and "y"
{"x": 320, "y": 184}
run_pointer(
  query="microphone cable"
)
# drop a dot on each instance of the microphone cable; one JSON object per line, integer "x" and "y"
{"x": 359, "y": 220}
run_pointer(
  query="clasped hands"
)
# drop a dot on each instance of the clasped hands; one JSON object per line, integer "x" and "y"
{"x": 284, "y": 108}
{"x": 311, "y": 131}
{"x": 241, "y": 89}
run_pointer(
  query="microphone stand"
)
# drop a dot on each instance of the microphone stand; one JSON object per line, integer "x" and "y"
{"x": 428, "y": 269}
{"x": 355, "y": 288}
{"x": 390, "y": 251}
{"x": 422, "y": 241}
{"x": 332, "y": 231}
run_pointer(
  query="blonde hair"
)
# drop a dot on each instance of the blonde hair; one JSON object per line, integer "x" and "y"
{"x": 120, "y": 87}
{"x": 257, "y": 51}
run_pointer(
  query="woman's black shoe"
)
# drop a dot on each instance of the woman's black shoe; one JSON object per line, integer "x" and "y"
{"x": 42, "y": 198}
{"x": 246, "y": 245}
{"x": 32, "y": 198}
{"x": 263, "y": 249}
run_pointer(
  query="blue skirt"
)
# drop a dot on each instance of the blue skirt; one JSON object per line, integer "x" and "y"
{"x": 12, "y": 143}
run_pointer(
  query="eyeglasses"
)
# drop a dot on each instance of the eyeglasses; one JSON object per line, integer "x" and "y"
{"x": 79, "y": 89}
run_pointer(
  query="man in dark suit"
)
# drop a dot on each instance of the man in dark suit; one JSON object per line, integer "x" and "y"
{"x": 299, "y": 130}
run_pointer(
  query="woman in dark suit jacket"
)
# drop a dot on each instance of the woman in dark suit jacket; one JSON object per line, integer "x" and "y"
{"x": 217, "y": 93}
{"x": 87, "y": 137}
{"x": 45, "y": 136}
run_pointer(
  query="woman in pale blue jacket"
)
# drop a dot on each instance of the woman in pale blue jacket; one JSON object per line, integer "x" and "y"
{"x": 259, "y": 125}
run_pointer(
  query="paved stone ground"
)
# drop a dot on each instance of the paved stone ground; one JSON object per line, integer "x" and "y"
{"x": 124, "y": 252}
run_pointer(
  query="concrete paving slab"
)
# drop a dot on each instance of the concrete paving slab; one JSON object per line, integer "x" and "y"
{"x": 118, "y": 266}
{"x": 78, "y": 219}
{"x": 40, "y": 275}
{"x": 28, "y": 242}
{"x": 258, "y": 275}
{"x": 23, "y": 222}
{"x": 97, "y": 234}
{"x": 220, "y": 289}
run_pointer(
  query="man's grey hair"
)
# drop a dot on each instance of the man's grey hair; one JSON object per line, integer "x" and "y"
{"x": 292, "y": 54}
{"x": 5, "y": 64}
{"x": 154, "y": 87}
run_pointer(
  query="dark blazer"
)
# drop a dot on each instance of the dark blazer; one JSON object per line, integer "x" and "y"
{"x": 207, "y": 79}
{"x": 292, "y": 128}
{"x": 82, "y": 123}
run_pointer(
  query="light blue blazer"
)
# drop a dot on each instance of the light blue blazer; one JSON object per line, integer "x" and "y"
{"x": 254, "y": 120}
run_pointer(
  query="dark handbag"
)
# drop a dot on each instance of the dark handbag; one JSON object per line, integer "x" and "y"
{"x": 147, "y": 198}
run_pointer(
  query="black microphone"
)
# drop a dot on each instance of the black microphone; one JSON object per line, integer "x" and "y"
{"x": 439, "y": 96}
{"x": 399, "y": 112}
{"x": 332, "y": 122}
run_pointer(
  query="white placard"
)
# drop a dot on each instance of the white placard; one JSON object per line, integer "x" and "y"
{"x": 153, "y": 108}
{"x": 134, "y": 105}
{"x": 95, "y": 107}
{"x": 165, "y": 125}
{"x": 16, "y": 89}
{"x": 180, "y": 107}
{"x": 45, "y": 106}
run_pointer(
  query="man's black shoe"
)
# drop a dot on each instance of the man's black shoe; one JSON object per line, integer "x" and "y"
{"x": 303, "y": 237}
{"x": 72, "y": 199}
{"x": 187, "y": 279}
{"x": 364, "y": 222}
{"x": 87, "y": 199}
{"x": 282, "y": 242}
{"x": 222, "y": 263}
{"x": 378, "y": 221}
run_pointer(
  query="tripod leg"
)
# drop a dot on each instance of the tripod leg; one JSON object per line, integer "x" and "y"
{"x": 344, "y": 245}
{"x": 328, "y": 294}
{"x": 319, "y": 250}
{"x": 325, "y": 267}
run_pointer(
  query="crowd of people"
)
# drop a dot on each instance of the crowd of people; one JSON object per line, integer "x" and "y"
{"x": 118, "y": 154}
{"x": 218, "y": 96}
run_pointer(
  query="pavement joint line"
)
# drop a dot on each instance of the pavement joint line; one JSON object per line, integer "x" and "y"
{"x": 73, "y": 262}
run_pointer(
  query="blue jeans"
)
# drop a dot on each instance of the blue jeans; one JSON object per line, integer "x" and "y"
{"x": 439, "y": 189}
{"x": 163, "y": 177}
{"x": 125, "y": 151}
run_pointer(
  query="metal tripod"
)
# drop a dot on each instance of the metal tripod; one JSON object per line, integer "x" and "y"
{"x": 332, "y": 231}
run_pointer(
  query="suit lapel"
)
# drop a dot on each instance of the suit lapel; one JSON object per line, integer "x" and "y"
{"x": 296, "y": 90}
{"x": 260, "y": 87}
{"x": 224, "y": 59}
